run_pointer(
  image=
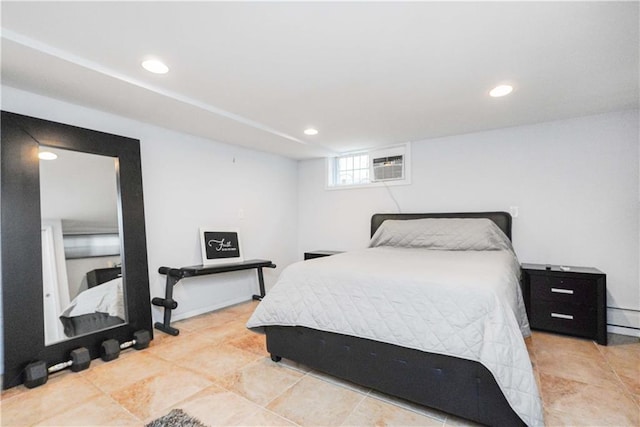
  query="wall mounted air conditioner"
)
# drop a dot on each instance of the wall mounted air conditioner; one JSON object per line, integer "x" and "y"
{"x": 387, "y": 164}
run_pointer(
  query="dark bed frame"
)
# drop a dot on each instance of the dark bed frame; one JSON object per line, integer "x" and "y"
{"x": 458, "y": 386}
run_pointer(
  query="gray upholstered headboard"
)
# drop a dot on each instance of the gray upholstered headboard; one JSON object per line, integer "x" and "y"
{"x": 502, "y": 219}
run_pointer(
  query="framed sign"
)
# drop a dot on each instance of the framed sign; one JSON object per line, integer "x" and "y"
{"x": 220, "y": 247}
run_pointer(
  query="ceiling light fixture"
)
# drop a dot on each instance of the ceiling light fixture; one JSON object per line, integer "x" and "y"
{"x": 501, "y": 90}
{"x": 311, "y": 131}
{"x": 47, "y": 155}
{"x": 155, "y": 66}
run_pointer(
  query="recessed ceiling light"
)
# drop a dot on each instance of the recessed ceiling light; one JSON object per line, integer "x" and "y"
{"x": 155, "y": 66}
{"x": 47, "y": 155}
{"x": 501, "y": 90}
{"x": 311, "y": 131}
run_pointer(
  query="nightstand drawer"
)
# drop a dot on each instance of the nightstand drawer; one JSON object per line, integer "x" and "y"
{"x": 563, "y": 289}
{"x": 564, "y": 318}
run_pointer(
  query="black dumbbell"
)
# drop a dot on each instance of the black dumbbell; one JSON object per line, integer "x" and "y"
{"x": 110, "y": 349}
{"x": 37, "y": 373}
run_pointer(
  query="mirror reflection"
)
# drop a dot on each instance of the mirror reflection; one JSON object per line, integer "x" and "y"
{"x": 82, "y": 274}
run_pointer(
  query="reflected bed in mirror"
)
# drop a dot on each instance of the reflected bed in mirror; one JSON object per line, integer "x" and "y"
{"x": 98, "y": 223}
{"x": 80, "y": 236}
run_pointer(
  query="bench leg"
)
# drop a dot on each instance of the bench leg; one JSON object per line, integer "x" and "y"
{"x": 261, "y": 283}
{"x": 165, "y": 326}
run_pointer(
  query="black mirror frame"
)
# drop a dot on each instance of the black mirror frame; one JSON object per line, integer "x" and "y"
{"x": 21, "y": 252}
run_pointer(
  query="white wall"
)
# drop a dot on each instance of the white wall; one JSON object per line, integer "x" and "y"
{"x": 575, "y": 182}
{"x": 189, "y": 182}
{"x": 77, "y": 269}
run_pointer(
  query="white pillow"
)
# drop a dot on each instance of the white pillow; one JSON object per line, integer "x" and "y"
{"x": 458, "y": 234}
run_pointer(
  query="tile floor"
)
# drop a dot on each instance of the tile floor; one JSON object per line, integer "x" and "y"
{"x": 219, "y": 372}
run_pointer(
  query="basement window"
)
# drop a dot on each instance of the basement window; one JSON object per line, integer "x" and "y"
{"x": 349, "y": 169}
{"x": 383, "y": 166}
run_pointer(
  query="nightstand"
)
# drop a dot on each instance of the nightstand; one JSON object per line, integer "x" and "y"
{"x": 101, "y": 275}
{"x": 569, "y": 301}
{"x": 319, "y": 254}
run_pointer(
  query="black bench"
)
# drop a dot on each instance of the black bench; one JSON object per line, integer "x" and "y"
{"x": 174, "y": 275}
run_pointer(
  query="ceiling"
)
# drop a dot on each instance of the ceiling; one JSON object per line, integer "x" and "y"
{"x": 365, "y": 74}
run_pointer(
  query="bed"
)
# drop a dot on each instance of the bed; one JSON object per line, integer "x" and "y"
{"x": 362, "y": 316}
{"x": 96, "y": 308}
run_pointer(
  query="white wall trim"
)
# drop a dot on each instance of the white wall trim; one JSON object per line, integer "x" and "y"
{"x": 623, "y": 331}
{"x": 218, "y": 306}
{"x": 625, "y": 318}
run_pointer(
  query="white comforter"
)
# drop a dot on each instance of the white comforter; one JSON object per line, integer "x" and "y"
{"x": 104, "y": 298}
{"x": 460, "y": 303}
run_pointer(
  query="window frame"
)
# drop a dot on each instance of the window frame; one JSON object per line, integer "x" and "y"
{"x": 331, "y": 169}
{"x": 333, "y": 177}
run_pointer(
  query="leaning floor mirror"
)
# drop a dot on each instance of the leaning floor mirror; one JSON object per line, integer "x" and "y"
{"x": 74, "y": 260}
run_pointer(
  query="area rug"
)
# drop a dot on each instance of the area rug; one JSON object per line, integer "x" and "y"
{"x": 176, "y": 418}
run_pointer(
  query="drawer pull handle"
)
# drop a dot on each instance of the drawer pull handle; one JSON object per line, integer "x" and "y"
{"x": 562, "y": 316}
{"x": 562, "y": 291}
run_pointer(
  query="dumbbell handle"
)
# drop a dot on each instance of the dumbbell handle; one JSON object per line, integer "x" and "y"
{"x": 127, "y": 344}
{"x": 59, "y": 367}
